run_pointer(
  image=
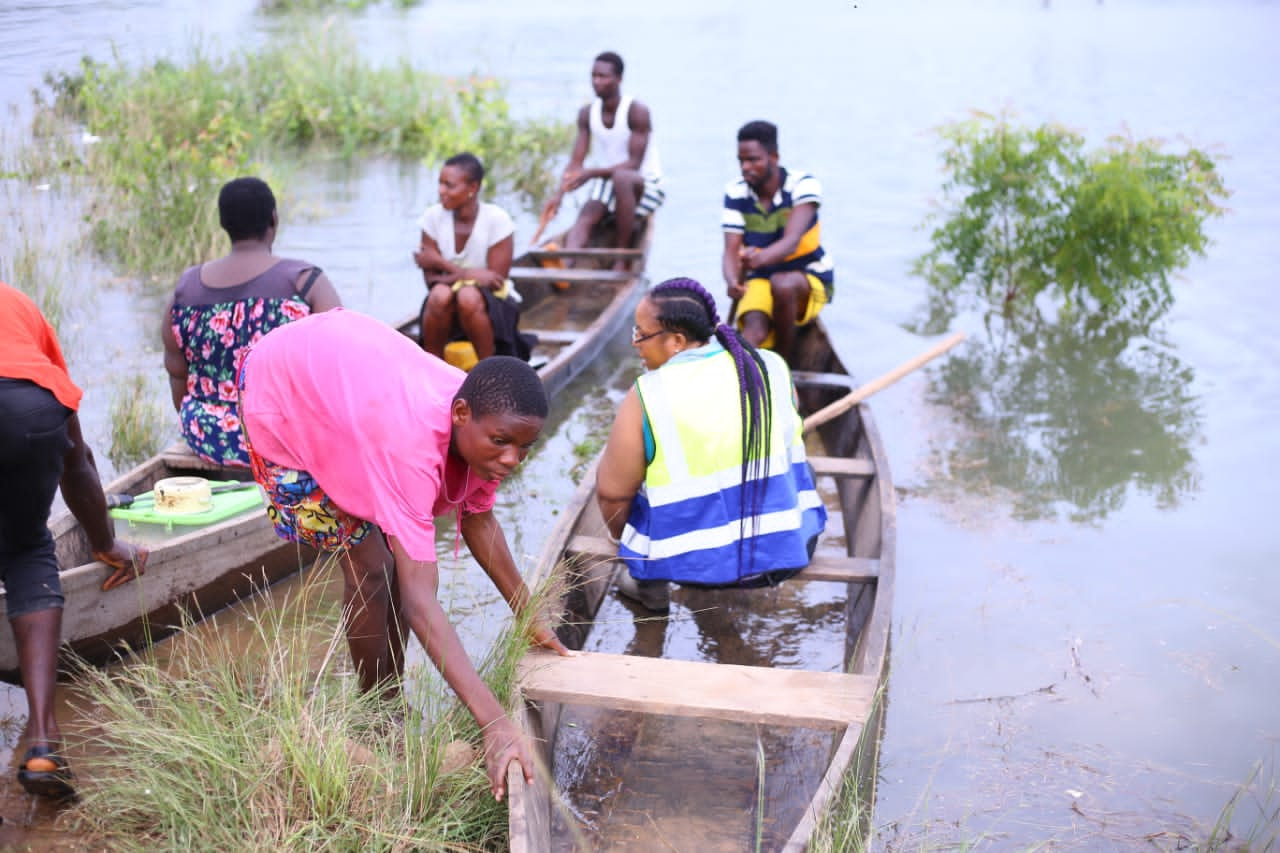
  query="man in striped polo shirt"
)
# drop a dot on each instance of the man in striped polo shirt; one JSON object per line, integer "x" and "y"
{"x": 776, "y": 270}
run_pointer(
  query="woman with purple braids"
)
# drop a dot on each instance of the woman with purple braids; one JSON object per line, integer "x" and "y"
{"x": 704, "y": 480}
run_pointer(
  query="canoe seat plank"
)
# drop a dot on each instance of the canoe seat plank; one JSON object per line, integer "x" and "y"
{"x": 825, "y": 567}
{"x": 592, "y": 547}
{"x": 748, "y": 694}
{"x": 554, "y": 336}
{"x": 593, "y": 254}
{"x": 840, "y": 569}
{"x": 179, "y": 455}
{"x": 838, "y": 467}
{"x": 809, "y": 379}
{"x": 570, "y": 275}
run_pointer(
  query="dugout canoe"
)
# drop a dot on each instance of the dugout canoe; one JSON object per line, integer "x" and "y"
{"x": 197, "y": 570}
{"x": 200, "y": 570}
{"x": 736, "y": 721}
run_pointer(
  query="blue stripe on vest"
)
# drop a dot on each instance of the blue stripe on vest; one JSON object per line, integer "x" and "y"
{"x": 772, "y": 551}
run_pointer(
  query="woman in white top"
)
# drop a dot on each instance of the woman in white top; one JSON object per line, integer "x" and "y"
{"x": 465, "y": 258}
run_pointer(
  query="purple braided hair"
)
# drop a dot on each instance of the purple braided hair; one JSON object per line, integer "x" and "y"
{"x": 685, "y": 306}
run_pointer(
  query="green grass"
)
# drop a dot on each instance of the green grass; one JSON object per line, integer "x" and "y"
{"x": 1256, "y": 803}
{"x": 294, "y": 6}
{"x": 137, "y": 423}
{"x": 268, "y": 745}
{"x": 170, "y": 133}
{"x": 846, "y": 825}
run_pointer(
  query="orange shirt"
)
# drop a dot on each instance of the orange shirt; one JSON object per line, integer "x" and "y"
{"x": 29, "y": 349}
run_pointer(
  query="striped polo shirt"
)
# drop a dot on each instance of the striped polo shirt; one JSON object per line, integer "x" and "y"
{"x": 744, "y": 214}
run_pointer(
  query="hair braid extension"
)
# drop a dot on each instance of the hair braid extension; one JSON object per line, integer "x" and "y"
{"x": 685, "y": 306}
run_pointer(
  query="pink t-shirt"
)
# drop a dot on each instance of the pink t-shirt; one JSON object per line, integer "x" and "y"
{"x": 366, "y": 412}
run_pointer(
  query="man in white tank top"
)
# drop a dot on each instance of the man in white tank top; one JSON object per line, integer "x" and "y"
{"x": 624, "y": 176}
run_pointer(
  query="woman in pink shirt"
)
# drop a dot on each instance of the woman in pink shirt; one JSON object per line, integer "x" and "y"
{"x": 361, "y": 440}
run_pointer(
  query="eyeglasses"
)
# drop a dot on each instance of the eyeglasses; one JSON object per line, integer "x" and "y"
{"x": 637, "y": 338}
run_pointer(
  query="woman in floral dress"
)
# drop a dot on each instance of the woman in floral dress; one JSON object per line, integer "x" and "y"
{"x": 220, "y": 308}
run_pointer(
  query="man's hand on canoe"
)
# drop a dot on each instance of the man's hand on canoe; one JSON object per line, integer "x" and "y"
{"x": 128, "y": 561}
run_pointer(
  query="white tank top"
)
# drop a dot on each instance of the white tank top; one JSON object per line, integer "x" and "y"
{"x": 609, "y": 144}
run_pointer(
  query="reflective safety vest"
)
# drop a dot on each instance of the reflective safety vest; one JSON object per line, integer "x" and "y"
{"x": 685, "y": 522}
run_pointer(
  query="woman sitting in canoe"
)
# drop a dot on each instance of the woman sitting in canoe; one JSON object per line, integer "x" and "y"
{"x": 219, "y": 308}
{"x": 704, "y": 479}
{"x": 465, "y": 257}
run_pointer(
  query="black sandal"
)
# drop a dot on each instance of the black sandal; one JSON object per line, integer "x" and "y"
{"x": 50, "y": 776}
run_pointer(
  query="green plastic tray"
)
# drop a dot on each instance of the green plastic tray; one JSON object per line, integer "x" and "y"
{"x": 225, "y": 505}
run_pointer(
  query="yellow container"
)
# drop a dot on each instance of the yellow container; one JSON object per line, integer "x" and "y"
{"x": 461, "y": 354}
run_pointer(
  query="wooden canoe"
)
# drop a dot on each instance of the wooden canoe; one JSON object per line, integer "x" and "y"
{"x": 199, "y": 570}
{"x": 203, "y": 569}
{"x": 732, "y": 723}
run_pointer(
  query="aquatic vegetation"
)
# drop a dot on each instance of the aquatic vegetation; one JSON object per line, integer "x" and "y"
{"x": 137, "y": 423}
{"x": 30, "y": 260}
{"x": 289, "y": 6}
{"x": 846, "y": 825}
{"x": 1029, "y": 211}
{"x": 1255, "y": 804}
{"x": 169, "y": 134}
{"x": 263, "y": 742}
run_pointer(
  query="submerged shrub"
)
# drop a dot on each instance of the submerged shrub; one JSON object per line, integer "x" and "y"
{"x": 1029, "y": 211}
{"x": 168, "y": 135}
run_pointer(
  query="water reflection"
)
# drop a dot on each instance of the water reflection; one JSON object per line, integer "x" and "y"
{"x": 1065, "y": 418}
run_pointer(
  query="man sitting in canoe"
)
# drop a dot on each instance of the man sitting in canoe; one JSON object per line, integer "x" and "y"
{"x": 361, "y": 440}
{"x": 776, "y": 270}
{"x": 465, "y": 257}
{"x": 625, "y": 176}
{"x": 707, "y": 501}
{"x": 41, "y": 446}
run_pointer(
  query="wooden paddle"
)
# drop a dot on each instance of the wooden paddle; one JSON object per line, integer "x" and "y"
{"x": 862, "y": 392}
{"x": 548, "y": 213}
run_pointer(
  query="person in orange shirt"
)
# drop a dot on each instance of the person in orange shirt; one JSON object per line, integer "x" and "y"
{"x": 41, "y": 447}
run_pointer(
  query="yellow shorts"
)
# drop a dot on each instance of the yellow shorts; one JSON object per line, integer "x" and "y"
{"x": 502, "y": 292}
{"x": 759, "y": 297}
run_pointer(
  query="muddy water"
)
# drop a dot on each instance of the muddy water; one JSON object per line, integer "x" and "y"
{"x": 1086, "y": 642}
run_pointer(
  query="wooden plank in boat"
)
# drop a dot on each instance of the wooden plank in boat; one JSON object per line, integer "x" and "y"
{"x": 806, "y": 378}
{"x": 838, "y": 467}
{"x": 747, "y": 694}
{"x": 592, "y": 254}
{"x": 554, "y": 336}
{"x": 569, "y": 275}
{"x": 593, "y": 547}
{"x": 840, "y": 569}
{"x": 823, "y": 568}
{"x": 179, "y": 455}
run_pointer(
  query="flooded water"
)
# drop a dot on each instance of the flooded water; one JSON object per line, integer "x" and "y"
{"x": 1085, "y": 617}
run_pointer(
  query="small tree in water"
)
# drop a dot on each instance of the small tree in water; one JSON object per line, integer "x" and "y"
{"x": 1028, "y": 211}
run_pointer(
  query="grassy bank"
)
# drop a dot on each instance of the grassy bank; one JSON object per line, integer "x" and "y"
{"x": 262, "y": 742}
{"x": 163, "y": 137}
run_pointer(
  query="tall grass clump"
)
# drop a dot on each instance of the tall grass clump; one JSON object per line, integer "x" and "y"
{"x": 846, "y": 824}
{"x": 170, "y": 133}
{"x": 267, "y": 744}
{"x": 137, "y": 423}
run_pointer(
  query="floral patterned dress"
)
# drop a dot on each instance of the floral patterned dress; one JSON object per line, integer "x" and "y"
{"x": 214, "y": 337}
